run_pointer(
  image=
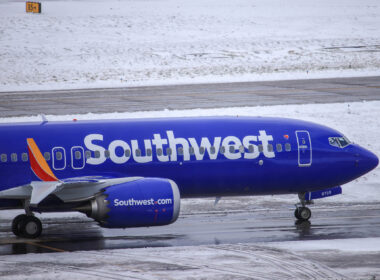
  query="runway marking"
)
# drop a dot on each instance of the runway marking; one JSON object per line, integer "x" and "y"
{"x": 45, "y": 246}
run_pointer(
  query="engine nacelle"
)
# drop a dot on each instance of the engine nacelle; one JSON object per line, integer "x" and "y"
{"x": 140, "y": 203}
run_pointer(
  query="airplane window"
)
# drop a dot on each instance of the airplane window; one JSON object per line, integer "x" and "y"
{"x": 138, "y": 152}
{"x": 180, "y": 151}
{"x": 88, "y": 154}
{"x": 78, "y": 155}
{"x": 339, "y": 141}
{"x": 333, "y": 141}
{"x": 232, "y": 149}
{"x": 251, "y": 148}
{"x": 222, "y": 150}
{"x": 343, "y": 142}
{"x": 47, "y": 156}
{"x": 97, "y": 154}
{"x": 159, "y": 152}
{"x": 261, "y": 149}
{"x": 127, "y": 153}
{"x": 58, "y": 155}
{"x": 279, "y": 148}
{"x": 191, "y": 150}
{"x": 288, "y": 148}
{"x": 107, "y": 153}
{"x": 14, "y": 157}
{"x": 270, "y": 148}
{"x": 24, "y": 157}
{"x": 241, "y": 149}
{"x": 3, "y": 158}
{"x": 202, "y": 150}
{"x": 168, "y": 151}
{"x": 148, "y": 152}
{"x": 212, "y": 150}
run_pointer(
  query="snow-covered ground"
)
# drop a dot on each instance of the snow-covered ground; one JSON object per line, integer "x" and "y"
{"x": 238, "y": 261}
{"x": 90, "y": 43}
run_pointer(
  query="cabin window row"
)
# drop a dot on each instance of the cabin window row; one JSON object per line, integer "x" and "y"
{"x": 138, "y": 152}
{"x": 14, "y": 157}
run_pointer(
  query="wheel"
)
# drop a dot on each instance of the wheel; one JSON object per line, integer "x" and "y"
{"x": 16, "y": 224}
{"x": 296, "y": 214}
{"x": 30, "y": 227}
{"x": 303, "y": 213}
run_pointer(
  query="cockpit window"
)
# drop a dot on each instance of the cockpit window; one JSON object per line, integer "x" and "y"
{"x": 340, "y": 142}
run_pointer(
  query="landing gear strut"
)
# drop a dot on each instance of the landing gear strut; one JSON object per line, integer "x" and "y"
{"x": 26, "y": 225}
{"x": 302, "y": 213}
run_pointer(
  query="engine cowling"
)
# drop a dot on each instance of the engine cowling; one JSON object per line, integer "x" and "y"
{"x": 140, "y": 203}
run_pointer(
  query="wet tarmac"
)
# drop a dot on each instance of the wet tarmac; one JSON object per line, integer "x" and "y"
{"x": 78, "y": 233}
{"x": 106, "y": 100}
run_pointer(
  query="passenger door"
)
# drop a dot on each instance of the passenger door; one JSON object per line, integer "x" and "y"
{"x": 304, "y": 148}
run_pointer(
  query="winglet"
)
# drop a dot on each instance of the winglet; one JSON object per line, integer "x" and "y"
{"x": 38, "y": 163}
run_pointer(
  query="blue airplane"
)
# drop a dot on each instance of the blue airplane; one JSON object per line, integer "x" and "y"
{"x": 132, "y": 173}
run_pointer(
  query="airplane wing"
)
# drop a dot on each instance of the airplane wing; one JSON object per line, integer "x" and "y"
{"x": 69, "y": 190}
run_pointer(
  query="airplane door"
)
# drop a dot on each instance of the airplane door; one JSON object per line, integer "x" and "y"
{"x": 59, "y": 158}
{"x": 304, "y": 148}
{"x": 77, "y": 157}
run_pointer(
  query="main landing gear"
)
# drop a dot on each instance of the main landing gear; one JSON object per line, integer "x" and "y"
{"x": 302, "y": 213}
{"x": 26, "y": 225}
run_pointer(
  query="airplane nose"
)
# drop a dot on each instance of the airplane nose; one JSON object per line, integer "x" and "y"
{"x": 367, "y": 160}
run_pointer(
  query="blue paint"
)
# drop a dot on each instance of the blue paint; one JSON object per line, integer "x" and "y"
{"x": 323, "y": 193}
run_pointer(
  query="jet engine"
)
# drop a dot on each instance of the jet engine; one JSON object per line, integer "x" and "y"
{"x": 140, "y": 203}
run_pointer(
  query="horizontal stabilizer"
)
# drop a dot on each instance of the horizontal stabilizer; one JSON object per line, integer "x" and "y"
{"x": 323, "y": 193}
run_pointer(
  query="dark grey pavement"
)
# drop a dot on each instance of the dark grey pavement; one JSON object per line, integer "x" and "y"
{"x": 189, "y": 96}
{"x": 202, "y": 228}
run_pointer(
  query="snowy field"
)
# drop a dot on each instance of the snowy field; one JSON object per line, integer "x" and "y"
{"x": 84, "y": 43}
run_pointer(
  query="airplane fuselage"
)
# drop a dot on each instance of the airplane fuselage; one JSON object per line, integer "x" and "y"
{"x": 204, "y": 156}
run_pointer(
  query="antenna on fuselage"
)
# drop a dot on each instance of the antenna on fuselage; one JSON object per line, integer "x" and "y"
{"x": 217, "y": 200}
{"x": 44, "y": 119}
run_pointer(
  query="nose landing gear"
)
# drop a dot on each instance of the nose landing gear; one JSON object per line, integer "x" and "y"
{"x": 302, "y": 213}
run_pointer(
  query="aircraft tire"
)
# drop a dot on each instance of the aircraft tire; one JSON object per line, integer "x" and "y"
{"x": 16, "y": 224}
{"x": 303, "y": 213}
{"x": 30, "y": 227}
{"x": 296, "y": 214}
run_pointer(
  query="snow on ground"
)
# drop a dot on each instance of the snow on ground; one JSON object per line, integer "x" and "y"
{"x": 356, "y": 258}
{"x": 344, "y": 245}
{"x": 114, "y": 43}
{"x": 240, "y": 261}
{"x": 309, "y": 260}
